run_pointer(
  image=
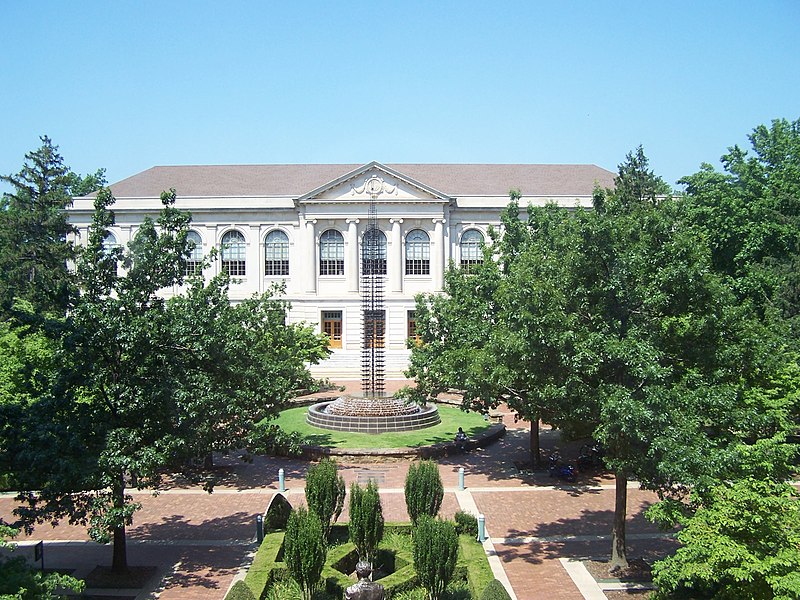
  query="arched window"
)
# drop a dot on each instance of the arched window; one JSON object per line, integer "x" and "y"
{"x": 276, "y": 254}
{"x": 195, "y": 260}
{"x": 471, "y": 254}
{"x": 373, "y": 252}
{"x": 234, "y": 252}
{"x": 110, "y": 243}
{"x": 331, "y": 253}
{"x": 418, "y": 253}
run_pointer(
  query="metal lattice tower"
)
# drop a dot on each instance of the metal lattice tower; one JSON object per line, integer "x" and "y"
{"x": 373, "y": 268}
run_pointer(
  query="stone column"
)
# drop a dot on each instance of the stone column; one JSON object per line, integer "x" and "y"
{"x": 351, "y": 271}
{"x": 395, "y": 257}
{"x": 437, "y": 254}
{"x": 311, "y": 257}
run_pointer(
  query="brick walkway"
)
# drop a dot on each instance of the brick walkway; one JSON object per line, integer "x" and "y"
{"x": 199, "y": 542}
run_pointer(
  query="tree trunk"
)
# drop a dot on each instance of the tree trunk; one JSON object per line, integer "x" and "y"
{"x": 208, "y": 461}
{"x": 120, "y": 557}
{"x": 619, "y": 555}
{"x": 536, "y": 458}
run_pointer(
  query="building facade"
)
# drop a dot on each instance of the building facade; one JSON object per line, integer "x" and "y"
{"x": 304, "y": 225}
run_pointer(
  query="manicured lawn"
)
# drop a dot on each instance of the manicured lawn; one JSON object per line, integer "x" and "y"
{"x": 294, "y": 420}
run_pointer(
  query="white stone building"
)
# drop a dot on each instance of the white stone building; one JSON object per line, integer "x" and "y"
{"x": 304, "y": 225}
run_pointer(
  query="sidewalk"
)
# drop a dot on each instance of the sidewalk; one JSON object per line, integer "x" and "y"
{"x": 199, "y": 541}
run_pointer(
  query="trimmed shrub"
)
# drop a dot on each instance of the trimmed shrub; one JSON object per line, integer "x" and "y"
{"x": 423, "y": 490}
{"x": 495, "y": 591}
{"x": 304, "y": 550}
{"x": 325, "y": 491}
{"x": 466, "y": 523}
{"x": 240, "y": 591}
{"x": 366, "y": 520}
{"x": 277, "y": 513}
{"x": 435, "y": 554}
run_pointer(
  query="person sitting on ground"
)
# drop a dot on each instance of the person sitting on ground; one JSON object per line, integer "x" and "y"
{"x": 461, "y": 439}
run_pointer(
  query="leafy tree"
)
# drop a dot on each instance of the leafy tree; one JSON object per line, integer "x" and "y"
{"x": 325, "y": 492}
{"x": 366, "y": 520}
{"x": 19, "y": 580}
{"x": 423, "y": 490}
{"x": 304, "y": 549}
{"x": 35, "y": 233}
{"x": 750, "y": 215}
{"x": 127, "y": 401}
{"x": 435, "y": 554}
{"x": 743, "y": 542}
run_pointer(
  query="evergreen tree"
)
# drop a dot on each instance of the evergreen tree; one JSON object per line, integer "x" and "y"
{"x": 325, "y": 492}
{"x": 304, "y": 549}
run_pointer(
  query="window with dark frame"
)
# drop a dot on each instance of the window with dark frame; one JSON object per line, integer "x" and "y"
{"x": 373, "y": 253}
{"x": 276, "y": 254}
{"x": 234, "y": 254}
{"x": 194, "y": 262}
{"x": 331, "y": 253}
{"x": 471, "y": 253}
{"x": 418, "y": 253}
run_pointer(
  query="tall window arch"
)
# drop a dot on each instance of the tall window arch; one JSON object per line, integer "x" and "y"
{"x": 373, "y": 252}
{"x": 418, "y": 253}
{"x": 110, "y": 243}
{"x": 331, "y": 253}
{"x": 234, "y": 254}
{"x": 195, "y": 260}
{"x": 276, "y": 253}
{"x": 471, "y": 253}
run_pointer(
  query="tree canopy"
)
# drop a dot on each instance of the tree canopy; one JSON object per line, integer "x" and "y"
{"x": 137, "y": 383}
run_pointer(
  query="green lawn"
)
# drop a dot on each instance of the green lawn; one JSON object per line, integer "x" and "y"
{"x": 294, "y": 420}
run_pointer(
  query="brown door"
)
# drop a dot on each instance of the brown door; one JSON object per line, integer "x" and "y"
{"x": 332, "y": 325}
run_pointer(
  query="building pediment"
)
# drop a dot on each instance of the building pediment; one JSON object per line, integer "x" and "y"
{"x": 373, "y": 180}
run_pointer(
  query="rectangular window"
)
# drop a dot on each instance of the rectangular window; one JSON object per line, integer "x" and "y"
{"x": 235, "y": 268}
{"x": 192, "y": 267}
{"x": 331, "y": 267}
{"x": 374, "y": 328}
{"x": 418, "y": 266}
{"x": 332, "y": 325}
{"x": 276, "y": 267}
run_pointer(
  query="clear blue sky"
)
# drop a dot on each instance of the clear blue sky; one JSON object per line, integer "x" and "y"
{"x": 128, "y": 85}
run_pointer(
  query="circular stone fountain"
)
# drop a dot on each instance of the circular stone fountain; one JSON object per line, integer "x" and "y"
{"x": 371, "y": 414}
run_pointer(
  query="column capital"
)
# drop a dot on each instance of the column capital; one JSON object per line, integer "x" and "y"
{"x": 356, "y": 221}
{"x": 396, "y": 220}
{"x": 439, "y": 221}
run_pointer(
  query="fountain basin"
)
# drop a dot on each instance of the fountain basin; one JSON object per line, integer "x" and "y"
{"x": 319, "y": 415}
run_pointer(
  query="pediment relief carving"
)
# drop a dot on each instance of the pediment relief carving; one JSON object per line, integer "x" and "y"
{"x": 386, "y": 187}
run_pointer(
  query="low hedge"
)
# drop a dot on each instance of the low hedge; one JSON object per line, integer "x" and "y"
{"x": 268, "y": 567}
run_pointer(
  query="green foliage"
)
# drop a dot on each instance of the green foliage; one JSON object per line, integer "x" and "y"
{"x": 743, "y": 542}
{"x": 20, "y": 581}
{"x": 495, "y": 591}
{"x": 304, "y": 549}
{"x": 325, "y": 492}
{"x": 423, "y": 490}
{"x": 466, "y": 523}
{"x": 34, "y": 233}
{"x": 366, "y": 520}
{"x": 435, "y": 554}
{"x": 138, "y": 384}
{"x": 240, "y": 591}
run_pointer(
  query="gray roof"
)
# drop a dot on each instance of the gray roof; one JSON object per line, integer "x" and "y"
{"x": 296, "y": 180}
